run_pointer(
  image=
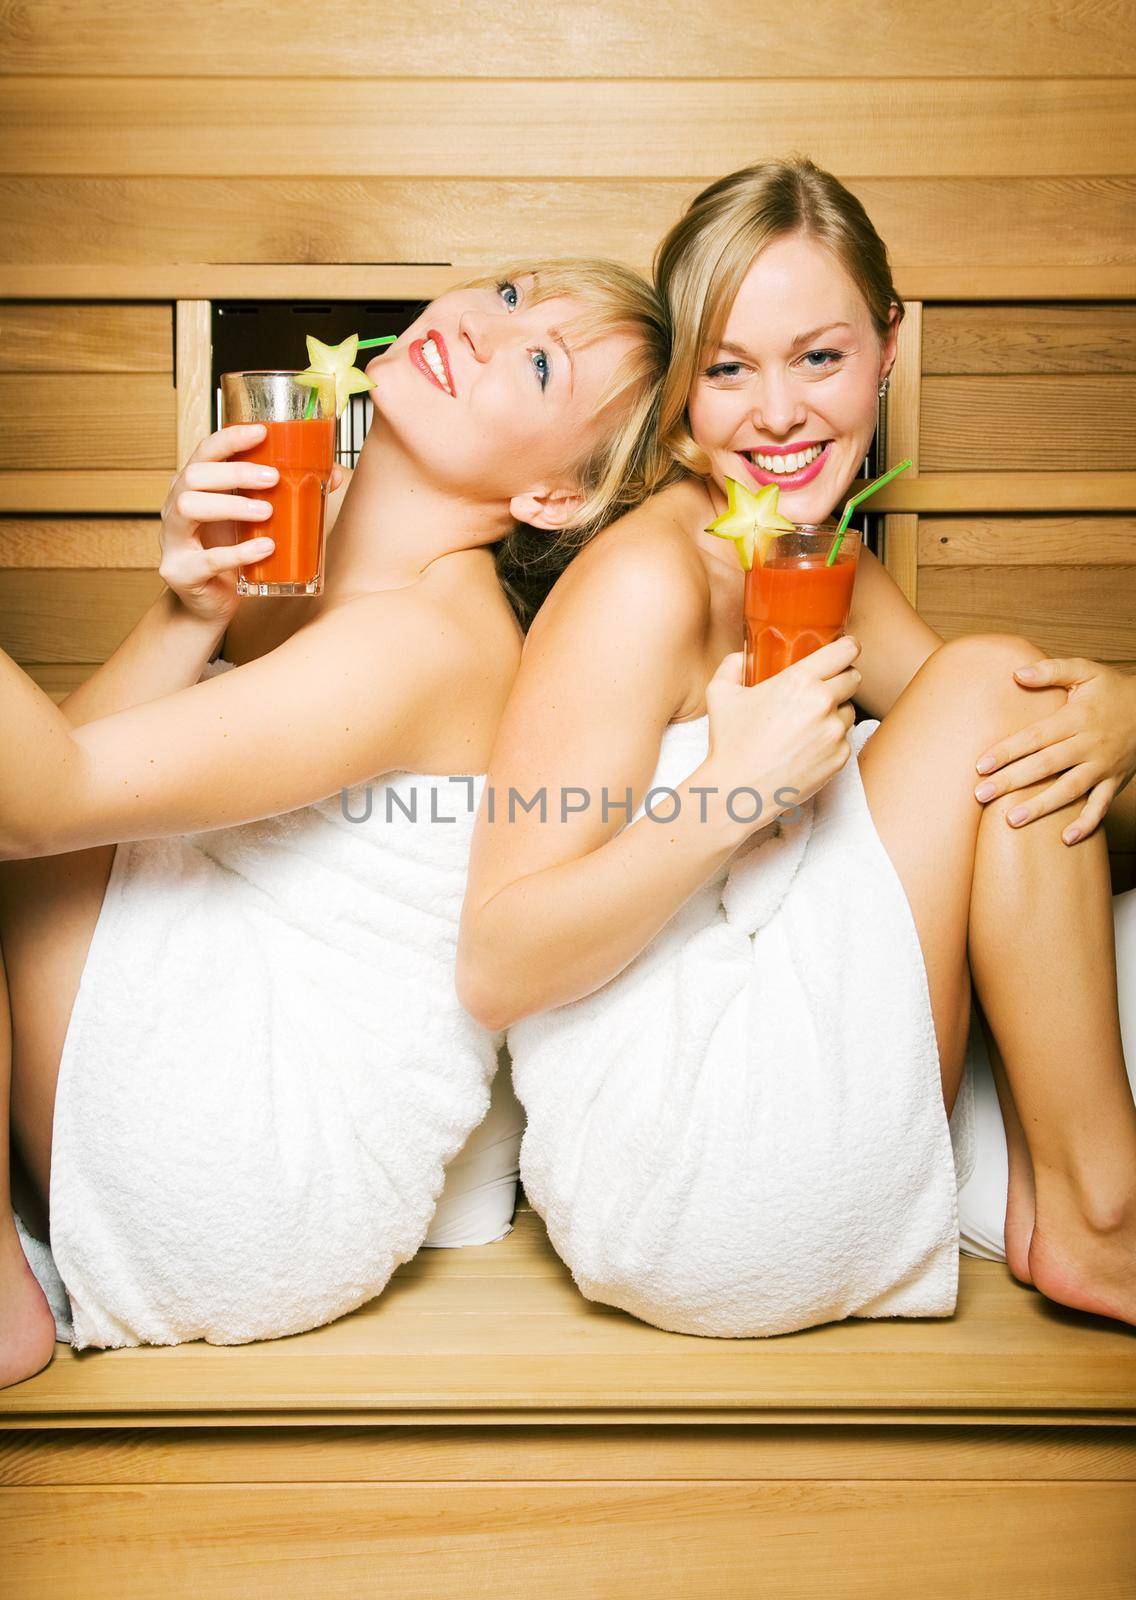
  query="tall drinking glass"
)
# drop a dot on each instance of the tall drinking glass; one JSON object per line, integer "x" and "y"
{"x": 302, "y": 449}
{"x": 794, "y": 603}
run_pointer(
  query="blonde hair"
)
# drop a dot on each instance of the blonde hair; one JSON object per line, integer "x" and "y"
{"x": 700, "y": 265}
{"x": 627, "y": 463}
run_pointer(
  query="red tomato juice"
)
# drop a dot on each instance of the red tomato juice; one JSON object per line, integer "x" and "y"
{"x": 303, "y": 452}
{"x": 793, "y": 605}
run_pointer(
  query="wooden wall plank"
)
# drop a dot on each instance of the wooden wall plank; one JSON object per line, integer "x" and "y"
{"x": 489, "y": 1453}
{"x": 80, "y": 542}
{"x": 89, "y": 420}
{"x": 86, "y": 338}
{"x": 1027, "y": 338}
{"x": 80, "y": 491}
{"x": 188, "y": 280}
{"x": 1028, "y": 542}
{"x": 69, "y": 616}
{"x": 902, "y": 406}
{"x": 462, "y": 127}
{"x": 1067, "y": 611}
{"x": 623, "y": 38}
{"x": 863, "y": 1541}
{"x": 193, "y": 376}
{"x": 900, "y": 554}
{"x": 970, "y": 234}
{"x": 1019, "y": 423}
{"x": 1010, "y": 491}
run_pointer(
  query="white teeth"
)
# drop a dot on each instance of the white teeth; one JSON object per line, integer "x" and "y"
{"x": 786, "y": 464}
{"x": 434, "y": 362}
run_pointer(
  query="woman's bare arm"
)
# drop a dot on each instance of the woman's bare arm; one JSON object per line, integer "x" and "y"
{"x": 557, "y": 907}
{"x": 895, "y": 641}
{"x": 168, "y": 649}
{"x": 352, "y": 695}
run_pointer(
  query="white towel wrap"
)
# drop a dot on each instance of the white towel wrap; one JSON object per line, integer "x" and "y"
{"x": 743, "y": 1133}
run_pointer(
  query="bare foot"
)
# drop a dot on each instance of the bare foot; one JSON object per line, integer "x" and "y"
{"x": 27, "y": 1327}
{"x": 1021, "y": 1208}
{"x": 1089, "y": 1265}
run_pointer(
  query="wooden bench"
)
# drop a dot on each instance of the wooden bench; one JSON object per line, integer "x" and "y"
{"x": 481, "y": 1428}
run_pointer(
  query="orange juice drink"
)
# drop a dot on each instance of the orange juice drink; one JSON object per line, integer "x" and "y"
{"x": 794, "y": 603}
{"x": 302, "y": 449}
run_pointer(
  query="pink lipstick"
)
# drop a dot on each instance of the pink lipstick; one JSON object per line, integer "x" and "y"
{"x": 787, "y": 480}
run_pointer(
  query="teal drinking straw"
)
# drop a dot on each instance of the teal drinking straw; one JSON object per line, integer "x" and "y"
{"x": 364, "y": 344}
{"x": 856, "y": 500}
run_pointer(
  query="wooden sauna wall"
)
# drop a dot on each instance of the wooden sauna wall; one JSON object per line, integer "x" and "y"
{"x": 151, "y": 160}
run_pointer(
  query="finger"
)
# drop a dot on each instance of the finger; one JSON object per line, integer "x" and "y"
{"x": 1069, "y": 787}
{"x": 229, "y": 441}
{"x": 224, "y": 557}
{"x": 1063, "y": 670}
{"x": 336, "y": 478}
{"x": 215, "y": 475}
{"x": 1058, "y": 725}
{"x": 1093, "y": 813}
{"x": 1030, "y": 769}
{"x": 193, "y": 507}
{"x": 729, "y": 668}
{"x": 844, "y": 684}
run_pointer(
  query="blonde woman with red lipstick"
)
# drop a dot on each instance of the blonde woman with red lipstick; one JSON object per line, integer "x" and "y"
{"x": 239, "y": 1067}
{"x": 739, "y": 1031}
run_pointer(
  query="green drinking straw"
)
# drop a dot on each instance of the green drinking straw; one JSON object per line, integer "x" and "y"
{"x": 856, "y": 500}
{"x": 364, "y": 344}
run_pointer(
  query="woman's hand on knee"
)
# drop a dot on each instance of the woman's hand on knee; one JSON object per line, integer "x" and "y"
{"x": 1088, "y": 746}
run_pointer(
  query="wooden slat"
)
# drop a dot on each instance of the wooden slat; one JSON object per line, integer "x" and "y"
{"x": 86, "y": 338}
{"x": 71, "y": 616}
{"x": 1027, "y": 542}
{"x": 59, "y": 491}
{"x": 193, "y": 375}
{"x": 958, "y": 236}
{"x": 83, "y": 542}
{"x": 861, "y": 1541}
{"x": 1004, "y": 339}
{"x": 1021, "y": 423}
{"x": 1009, "y": 491}
{"x": 180, "y": 280}
{"x": 1082, "y": 611}
{"x": 900, "y": 554}
{"x": 90, "y": 420}
{"x": 1003, "y": 1350}
{"x": 626, "y": 39}
{"x": 902, "y": 406}
{"x": 501, "y": 1454}
{"x": 461, "y": 127}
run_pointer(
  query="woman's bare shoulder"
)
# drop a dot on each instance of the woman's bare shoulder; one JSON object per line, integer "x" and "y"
{"x": 648, "y": 556}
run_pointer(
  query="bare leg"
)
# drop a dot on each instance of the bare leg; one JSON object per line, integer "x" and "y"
{"x": 48, "y": 911}
{"x": 1020, "y": 1196}
{"x": 1043, "y": 956}
{"x": 918, "y": 773}
{"x": 27, "y": 1327}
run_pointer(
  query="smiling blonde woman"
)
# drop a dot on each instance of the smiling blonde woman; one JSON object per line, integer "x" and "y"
{"x": 739, "y": 1017}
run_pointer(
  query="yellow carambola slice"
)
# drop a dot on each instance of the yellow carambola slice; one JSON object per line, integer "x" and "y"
{"x": 752, "y": 521}
{"x": 335, "y": 361}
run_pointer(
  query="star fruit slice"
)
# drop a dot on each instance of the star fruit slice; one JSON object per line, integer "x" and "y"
{"x": 752, "y": 521}
{"x": 335, "y": 361}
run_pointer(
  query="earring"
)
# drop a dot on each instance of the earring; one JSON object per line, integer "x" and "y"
{"x": 883, "y": 389}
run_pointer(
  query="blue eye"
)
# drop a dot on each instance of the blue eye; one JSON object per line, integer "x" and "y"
{"x": 724, "y": 369}
{"x": 505, "y": 289}
{"x": 543, "y": 367}
{"x": 821, "y": 360}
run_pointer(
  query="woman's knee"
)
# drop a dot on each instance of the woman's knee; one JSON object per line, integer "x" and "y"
{"x": 979, "y": 667}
